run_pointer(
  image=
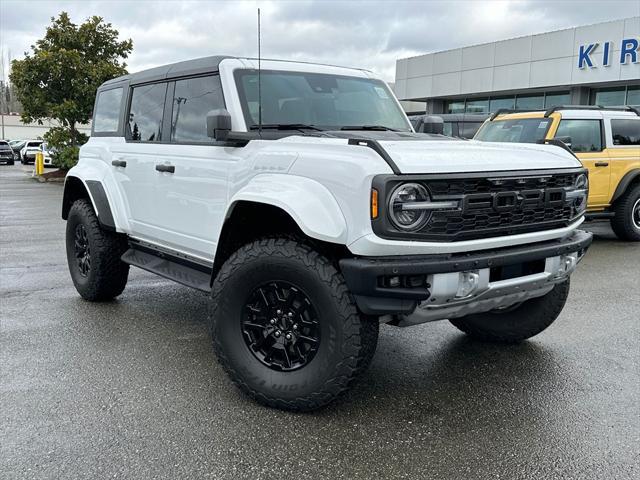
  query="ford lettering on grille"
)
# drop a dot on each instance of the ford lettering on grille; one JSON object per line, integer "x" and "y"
{"x": 514, "y": 200}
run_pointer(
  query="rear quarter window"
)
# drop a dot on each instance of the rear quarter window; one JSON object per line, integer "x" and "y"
{"x": 626, "y": 131}
{"x": 106, "y": 118}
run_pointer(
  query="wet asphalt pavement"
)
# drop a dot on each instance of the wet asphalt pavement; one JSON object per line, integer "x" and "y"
{"x": 131, "y": 389}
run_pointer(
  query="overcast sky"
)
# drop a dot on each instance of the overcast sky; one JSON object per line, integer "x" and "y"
{"x": 366, "y": 34}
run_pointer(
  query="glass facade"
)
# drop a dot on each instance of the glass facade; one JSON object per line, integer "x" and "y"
{"x": 477, "y": 106}
{"x": 502, "y": 102}
{"x": 530, "y": 102}
{"x": 556, "y": 99}
{"x": 521, "y": 102}
{"x": 616, "y": 96}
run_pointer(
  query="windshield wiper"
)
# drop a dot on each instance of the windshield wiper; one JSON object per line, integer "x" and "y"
{"x": 380, "y": 128}
{"x": 285, "y": 126}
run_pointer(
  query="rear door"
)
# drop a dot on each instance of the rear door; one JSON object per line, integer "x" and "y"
{"x": 134, "y": 161}
{"x": 588, "y": 143}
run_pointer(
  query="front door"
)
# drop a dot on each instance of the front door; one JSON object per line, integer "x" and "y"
{"x": 587, "y": 142}
{"x": 191, "y": 173}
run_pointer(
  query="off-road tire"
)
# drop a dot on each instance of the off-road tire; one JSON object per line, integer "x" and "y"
{"x": 107, "y": 275}
{"x": 622, "y": 223}
{"x": 347, "y": 342}
{"x": 514, "y": 325}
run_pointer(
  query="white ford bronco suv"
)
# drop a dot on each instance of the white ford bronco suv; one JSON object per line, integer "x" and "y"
{"x": 299, "y": 197}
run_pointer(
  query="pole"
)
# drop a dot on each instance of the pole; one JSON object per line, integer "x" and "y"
{"x": 259, "y": 82}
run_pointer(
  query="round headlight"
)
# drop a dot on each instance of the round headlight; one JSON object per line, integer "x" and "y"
{"x": 580, "y": 202}
{"x": 582, "y": 182}
{"x": 400, "y": 212}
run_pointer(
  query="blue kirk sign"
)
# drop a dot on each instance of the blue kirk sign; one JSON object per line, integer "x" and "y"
{"x": 590, "y": 53}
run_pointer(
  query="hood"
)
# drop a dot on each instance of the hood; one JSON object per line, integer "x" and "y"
{"x": 473, "y": 156}
{"x": 428, "y": 153}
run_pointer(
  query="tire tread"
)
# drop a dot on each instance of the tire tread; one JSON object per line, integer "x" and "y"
{"x": 360, "y": 333}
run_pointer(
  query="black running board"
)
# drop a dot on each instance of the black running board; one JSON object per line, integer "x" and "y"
{"x": 179, "y": 270}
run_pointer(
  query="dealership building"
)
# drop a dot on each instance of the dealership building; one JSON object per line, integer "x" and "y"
{"x": 589, "y": 65}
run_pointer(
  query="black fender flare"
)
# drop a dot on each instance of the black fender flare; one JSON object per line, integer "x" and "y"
{"x": 76, "y": 188}
{"x": 628, "y": 178}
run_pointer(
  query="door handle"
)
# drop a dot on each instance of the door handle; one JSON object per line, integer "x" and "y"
{"x": 165, "y": 168}
{"x": 119, "y": 163}
{"x": 602, "y": 164}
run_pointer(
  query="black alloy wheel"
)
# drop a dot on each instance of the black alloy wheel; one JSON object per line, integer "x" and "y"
{"x": 82, "y": 250}
{"x": 280, "y": 326}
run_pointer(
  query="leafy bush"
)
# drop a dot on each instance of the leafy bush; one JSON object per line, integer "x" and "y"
{"x": 64, "y": 153}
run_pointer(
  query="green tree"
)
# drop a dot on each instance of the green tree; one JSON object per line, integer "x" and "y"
{"x": 59, "y": 78}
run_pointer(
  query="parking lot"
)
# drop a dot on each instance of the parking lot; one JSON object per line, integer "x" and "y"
{"x": 131, "y": 388}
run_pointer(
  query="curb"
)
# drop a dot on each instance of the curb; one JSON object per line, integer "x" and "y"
{"x": 49, "y": 180}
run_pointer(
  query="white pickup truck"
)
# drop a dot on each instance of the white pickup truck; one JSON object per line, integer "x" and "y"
{"x": 300, "y": 199}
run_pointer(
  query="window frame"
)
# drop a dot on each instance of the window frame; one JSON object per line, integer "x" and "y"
{"x": 603, "y": 138}
{"x": 127, "y": 111}
{"x": 246, "y": 114}
{"x": 610, "y": 122}
{"x": 169, "y": 109}
{"x": 119, "y": 131}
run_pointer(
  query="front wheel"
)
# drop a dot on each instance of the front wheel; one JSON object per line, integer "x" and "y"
{"x": 285, "y": 328}
{"x": 517, "y": 323}
{"x": 626, "y": 222}
{"x": 93, "y": 255}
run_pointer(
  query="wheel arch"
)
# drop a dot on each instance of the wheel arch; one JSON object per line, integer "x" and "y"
{"x": 76, "y": 188}
{"x": 249, "y": 220}
{"x": 630, "y": 178}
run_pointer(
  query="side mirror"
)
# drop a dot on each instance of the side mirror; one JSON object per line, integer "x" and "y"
{"x": 565, "y": 140}
{"x": 433, "y": 124}
{"x": 218, "y": 124}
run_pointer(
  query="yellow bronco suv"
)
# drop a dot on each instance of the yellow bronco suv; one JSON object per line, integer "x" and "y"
{"x": 605, "y": 139}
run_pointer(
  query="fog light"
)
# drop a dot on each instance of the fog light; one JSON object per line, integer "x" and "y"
{"x": 394, "y": 281}
{"x": 467, "y": 283}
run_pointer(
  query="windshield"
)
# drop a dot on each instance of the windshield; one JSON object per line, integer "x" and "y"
{"x": 4, "y": 146}
{"x": 520, "y": 130}
{"x": 323, "y": 101}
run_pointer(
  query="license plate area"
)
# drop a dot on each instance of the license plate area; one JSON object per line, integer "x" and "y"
{"x": 507, "y": 272}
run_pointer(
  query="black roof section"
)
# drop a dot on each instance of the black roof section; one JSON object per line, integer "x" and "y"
{"x": 183, "y": 69}
{"x": 179, "y": 69}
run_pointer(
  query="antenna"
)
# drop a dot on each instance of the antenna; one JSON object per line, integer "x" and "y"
{"x": 259, "y": 83}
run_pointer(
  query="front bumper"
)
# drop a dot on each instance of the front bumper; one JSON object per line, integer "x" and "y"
{"x": 423, "y": 288}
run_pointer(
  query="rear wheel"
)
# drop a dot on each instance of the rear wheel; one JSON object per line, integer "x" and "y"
{"x": 285, "y": 327}
{"x": 626, "y": 222}
{"x": 518, "y": 322}
{"x": 93, "y": 255}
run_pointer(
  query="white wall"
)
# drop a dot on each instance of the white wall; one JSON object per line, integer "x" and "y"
{"x": 14, "y": 129}
{"x": 536, "y": 61}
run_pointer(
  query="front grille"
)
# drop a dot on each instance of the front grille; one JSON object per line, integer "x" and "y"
{"x": 491, "y": 205}
{"x": 498, "y": 184}
{"x": 459, "y": 225}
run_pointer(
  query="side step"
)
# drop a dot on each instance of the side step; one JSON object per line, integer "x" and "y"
{"x": 179, "y": 270}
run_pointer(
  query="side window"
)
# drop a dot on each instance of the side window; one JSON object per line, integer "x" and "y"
{"x": 626, "y": 132}
{"x": 586, "y": 135}
{"x": 107, "y": 115}
{"x": 193, "y": 98}
{"x": 145, "y": 114}
{"x": 447, "y": 129}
